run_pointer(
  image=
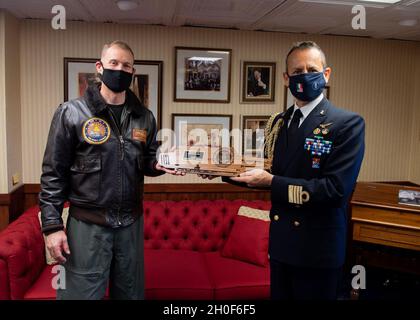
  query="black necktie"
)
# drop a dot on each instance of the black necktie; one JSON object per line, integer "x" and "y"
{"x": 292, "y": 131}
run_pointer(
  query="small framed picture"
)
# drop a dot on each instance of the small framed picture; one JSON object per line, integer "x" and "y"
{"x": 253, "y": 135}
{"x": 147, "y": 86}
{"x": 258, "y": 81}
{"x": 79, "y": 73}
{"x": 409, "y": 197}
{"x": 202, "y": 74}
{"x": 289, "y": 100}
{"x": 201, "y": 129}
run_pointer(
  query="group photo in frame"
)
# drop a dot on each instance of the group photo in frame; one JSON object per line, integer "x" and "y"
{"x": 289, "y": 99}
{"x": 202, "y": 75}
{"x": 253, "y": 134}
{"x": 79, "y": 73}
{"x": 258, "y": 81}
{"x": 211, "y": 130}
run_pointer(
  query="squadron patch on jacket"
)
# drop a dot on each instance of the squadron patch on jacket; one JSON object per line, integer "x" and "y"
{"x": 96, "y": 131}
{"x": 140, "y": 135}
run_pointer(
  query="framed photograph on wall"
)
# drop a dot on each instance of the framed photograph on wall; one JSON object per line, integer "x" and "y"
{"x": 147, "y": 86}
{"x": 201, "y": 129}
{"x": 289, "y": 100}
{"x": 202, "y": 75}
{"x": 253, "y": 134}
{"x": 258, "y": 81}
{"x": 79, "y": 73}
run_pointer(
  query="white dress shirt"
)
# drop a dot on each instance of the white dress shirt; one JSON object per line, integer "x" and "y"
{"x": 306, "y": 109}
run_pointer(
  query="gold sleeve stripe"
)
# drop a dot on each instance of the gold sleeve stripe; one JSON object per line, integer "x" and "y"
{"x": 297, "y": 195}
{"x": 290, "y": 194}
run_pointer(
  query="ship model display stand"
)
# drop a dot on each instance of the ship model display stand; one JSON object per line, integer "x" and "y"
{"x": 213, "y": 161}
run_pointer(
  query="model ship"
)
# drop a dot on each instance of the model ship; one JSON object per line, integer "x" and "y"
{"x": 214, "y": 161}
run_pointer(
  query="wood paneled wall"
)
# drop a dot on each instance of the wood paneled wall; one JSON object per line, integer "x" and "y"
{"x": 11, "y": 206}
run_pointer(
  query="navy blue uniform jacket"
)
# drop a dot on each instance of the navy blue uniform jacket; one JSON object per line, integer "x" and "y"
{"x": 310, "y": 193}
{"x": 313, "y": 233}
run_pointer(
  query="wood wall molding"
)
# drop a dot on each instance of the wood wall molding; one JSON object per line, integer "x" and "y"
{"x": 177, "y": 192}
{"x": 4, "y": 199}
{"x": 11, "y": 206}
{"x": 14, "y": 204}
{"x": 4, "y": 217}
{"x": 173, "y": 188}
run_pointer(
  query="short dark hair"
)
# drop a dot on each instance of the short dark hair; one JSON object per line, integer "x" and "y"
{"x": 307, "y": 45}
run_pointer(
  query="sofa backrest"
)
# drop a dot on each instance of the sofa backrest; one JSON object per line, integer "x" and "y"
{"x": 201, "y": 225}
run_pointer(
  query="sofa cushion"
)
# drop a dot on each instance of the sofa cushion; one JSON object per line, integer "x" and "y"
{"x": 237, "y": 280}
{"x": 248, "y": 240}
{"x": 176, "y": 274}
{"x": 42, "y": 288}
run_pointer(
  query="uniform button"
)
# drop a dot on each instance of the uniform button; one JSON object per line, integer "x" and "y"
{"x": 276, "y": 217}
{"x": 296, "y": 223}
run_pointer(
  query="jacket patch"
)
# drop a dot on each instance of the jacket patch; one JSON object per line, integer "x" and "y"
{"x": 140, "y": 135}
{"x": 96, "y": 131}
{"x": 316, "y": 163}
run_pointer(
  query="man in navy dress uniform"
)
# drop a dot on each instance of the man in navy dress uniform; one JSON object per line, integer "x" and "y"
{"x": 316, "y": 151}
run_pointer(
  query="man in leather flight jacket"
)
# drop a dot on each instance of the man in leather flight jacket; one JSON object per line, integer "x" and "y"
{"x": 100, "y": 147}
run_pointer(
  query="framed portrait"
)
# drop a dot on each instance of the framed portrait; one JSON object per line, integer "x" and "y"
{"x": 258, "y": 81}
{"x": 79, "y": 73}
{"x": 201, "y": 129}
{"x": 253, "y": 135}
{"x": 289, "y": 100}
{"x": 202, "y": 75}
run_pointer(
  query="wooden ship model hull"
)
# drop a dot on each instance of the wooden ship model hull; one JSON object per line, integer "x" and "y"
{"x": 210, "y": 161}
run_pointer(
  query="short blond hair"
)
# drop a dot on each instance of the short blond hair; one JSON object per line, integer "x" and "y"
{"x": 121, "y": 44}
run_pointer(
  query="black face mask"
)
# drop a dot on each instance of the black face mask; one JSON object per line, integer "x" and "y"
{"x": 116, "y": 80}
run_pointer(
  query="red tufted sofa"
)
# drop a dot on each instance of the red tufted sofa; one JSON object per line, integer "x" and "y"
{"x": 182, "y": 254}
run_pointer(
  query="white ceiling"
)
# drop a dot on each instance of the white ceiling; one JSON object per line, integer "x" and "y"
{"x": 302, "y": 16}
